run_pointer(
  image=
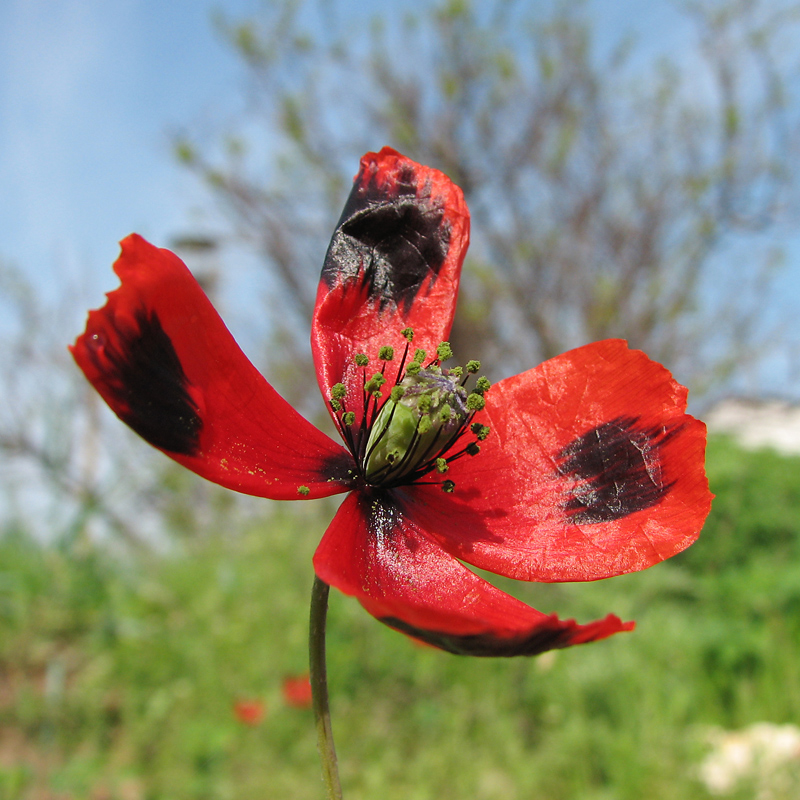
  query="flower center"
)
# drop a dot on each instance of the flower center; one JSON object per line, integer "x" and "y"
{"x": 422, "y": 426}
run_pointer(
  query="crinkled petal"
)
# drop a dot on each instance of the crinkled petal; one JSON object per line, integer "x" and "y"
{"x": 375, "y": 551}
{"x": 394, "y": 262}
{"x": 591, "y": 469}
{"x": 165, "y": 363}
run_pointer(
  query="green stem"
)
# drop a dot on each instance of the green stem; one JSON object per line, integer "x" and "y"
{"x": 319, "y": 688}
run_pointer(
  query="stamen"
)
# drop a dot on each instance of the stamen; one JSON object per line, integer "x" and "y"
{"x": 473, "y": 366}
{"x": 303, "y": 490}
{"x": 475, "y": 402}
{"x": 373, "y": 385}
{"x": 444, "y": 351}
{"x": 386, "y": 353}
{"x": 448, "y": 486}
{"x": 361, "y": 359}
{"x": 482, "y": 385}
{"x": 481, "y": 431}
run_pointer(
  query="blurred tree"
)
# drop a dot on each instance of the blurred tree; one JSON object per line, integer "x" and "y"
{"x": 68, "y": 468}
{"x": 612, "y": 194}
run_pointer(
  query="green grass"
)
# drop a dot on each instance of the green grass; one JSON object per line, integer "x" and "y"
{"x": 118, "y": 676}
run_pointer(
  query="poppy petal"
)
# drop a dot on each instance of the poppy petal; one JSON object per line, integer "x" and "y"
{"x": 165, "y": 363}
{"x": 591, "y": 469}
{"x": 394, "y": 262}
{"x": 374, "y": 551}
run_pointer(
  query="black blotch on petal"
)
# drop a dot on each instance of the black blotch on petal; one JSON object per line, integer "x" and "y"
{"x": 391, "y": 244}
{"x": 615, "y": 470}
{"x": 151, "y": 387}
{"x": 539, "y": 641}
{"x": 339, "y": 468}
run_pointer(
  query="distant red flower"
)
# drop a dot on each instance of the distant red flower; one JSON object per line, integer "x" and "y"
{"x": 296, "y": 691}
{"x": 249, "y": 712}
{"x": 581, "y": 468}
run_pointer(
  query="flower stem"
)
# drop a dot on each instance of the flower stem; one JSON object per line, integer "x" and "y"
{"x": 319, "y": 688}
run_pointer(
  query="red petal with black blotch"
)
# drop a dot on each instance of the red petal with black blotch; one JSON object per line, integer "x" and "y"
{"x": 394, "y": 262}
{"x": 591, "y": 469}
{"x": 376, "y": 552}
{"x": 165, "y": 363}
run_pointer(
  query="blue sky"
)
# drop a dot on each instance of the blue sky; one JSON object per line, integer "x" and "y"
{"x": 89, "y": 90}
{"x": 89, "y": 93}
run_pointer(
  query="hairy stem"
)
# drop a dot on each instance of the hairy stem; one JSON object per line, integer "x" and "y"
{"x": 319, "y": 688}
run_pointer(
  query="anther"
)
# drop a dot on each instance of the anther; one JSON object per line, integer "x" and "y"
{"x": 475, "y": 402}
{"x": 444, "y": 351}
{"x": 481, "y": 431}
{"x": 482, "y": 385}
{"x": 373, "y": 385}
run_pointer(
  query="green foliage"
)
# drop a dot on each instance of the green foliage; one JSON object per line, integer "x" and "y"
{"x": 119, "y": 675}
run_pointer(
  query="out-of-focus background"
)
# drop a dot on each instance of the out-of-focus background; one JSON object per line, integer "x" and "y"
{"x": 631, "y": 172}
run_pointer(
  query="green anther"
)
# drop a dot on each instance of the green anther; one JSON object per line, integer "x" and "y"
{"x": 396, "y": 393}
{"x": 349, "y": 418}
{"x": 475, "y": 402}
{"x": 335, "y": 404}
{"x": 303, "y": 490}
{"x": 482, "y": 385}
{"x": 424, "y": 426}
{"x": 361, "y": 360}
{"x": 424, "y": 404}
{"x": 473, "y": 366}
{"x": 455, "y": 372}
{"x": 442, "y": 466}
{"x": 473, "y": 448}
{"x": 407, "y": 334}
{"x": 338, "y": 391}
{"x": 444, "y": 351}
{"x": 448, "y": 486}
{"x": 386, "y": 353}
{"x": 446, "y": 414}
{"x": 481, "y": 431}
{"x": 419, "y": 356}
{"x": 413, "y": 368}
{"x": 374, "y": 383}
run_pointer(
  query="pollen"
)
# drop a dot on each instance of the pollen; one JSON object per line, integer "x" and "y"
{"x": 444, "y": 351}
{"x": 475, "y": 402}
{"x": 482, "y": 385}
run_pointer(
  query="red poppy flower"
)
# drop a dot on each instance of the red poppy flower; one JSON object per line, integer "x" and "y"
{"x": 249, "y": 712}
{"x": 581, "y": 468}
{"x": 296, "y": 690}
